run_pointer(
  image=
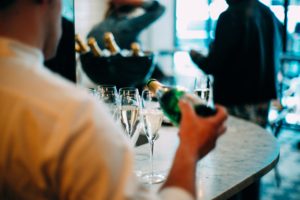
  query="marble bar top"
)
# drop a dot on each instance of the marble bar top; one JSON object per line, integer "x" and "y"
{"x": 242, "y": 155}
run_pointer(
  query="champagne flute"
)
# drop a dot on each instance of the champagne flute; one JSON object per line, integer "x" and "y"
{"x": 109, "y": 95}
{"x": 203, "y": 88}
{"x": 130, "y": 111}
{"x": 152, "y": 118}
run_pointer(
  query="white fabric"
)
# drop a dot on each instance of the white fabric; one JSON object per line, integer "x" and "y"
{"x": 57, "y": 142}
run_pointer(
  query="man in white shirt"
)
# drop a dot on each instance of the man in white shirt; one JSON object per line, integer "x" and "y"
{"x": 56, "y": 142}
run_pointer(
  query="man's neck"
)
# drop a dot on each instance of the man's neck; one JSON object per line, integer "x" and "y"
{"x": 19, "y": 31}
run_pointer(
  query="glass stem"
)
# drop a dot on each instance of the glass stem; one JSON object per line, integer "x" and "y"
{"x": 151, "y": 142}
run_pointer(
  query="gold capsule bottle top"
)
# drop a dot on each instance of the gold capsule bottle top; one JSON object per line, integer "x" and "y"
{"x": 82, "y": 47}
{"x": 136, "y": 49}
{"x": 77, "y": 48}
{"x": 94, "y": 47}
{"x": 110, "y": 43}
{"x": 154, "y": 85}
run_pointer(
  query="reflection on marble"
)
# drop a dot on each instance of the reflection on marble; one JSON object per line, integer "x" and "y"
{"x": 242, "y": 155}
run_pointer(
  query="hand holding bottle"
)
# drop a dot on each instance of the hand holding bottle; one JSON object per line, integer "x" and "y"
{"x": 170, "y": 96}
{"x": 198, "y": 134}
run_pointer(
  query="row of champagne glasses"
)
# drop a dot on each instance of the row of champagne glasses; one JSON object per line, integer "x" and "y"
{"x": 132, "y": 110}
{"x": 124, "y": 106}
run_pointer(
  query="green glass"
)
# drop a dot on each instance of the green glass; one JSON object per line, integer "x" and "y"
{"x": 169, "y": 103}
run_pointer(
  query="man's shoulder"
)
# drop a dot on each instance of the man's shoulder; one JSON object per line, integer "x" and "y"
{"x": 60, "y": 90}
{"x": 44, "y": 90}
{"x": 264, "y": 9}
{"x": 228, "y": 16}
{"x": 228, "y": 13}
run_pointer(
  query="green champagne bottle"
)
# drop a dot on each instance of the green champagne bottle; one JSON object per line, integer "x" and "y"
{"x": 169, "y": 97}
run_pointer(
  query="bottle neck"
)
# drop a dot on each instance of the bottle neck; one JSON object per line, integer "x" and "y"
{"x": 95, "y": 48}
{"x": 77, "y": 48}
{"x": 135, "y": 52}
{"x": 110, "y": 43}
{"x": 82, "y": 48}
{"x": 136, "y": 49}
{"x": 157, "y": 88}
{"x": 96, "y": 51}
{"x": 113, "y": 47}
{"x": 154, "y": 86}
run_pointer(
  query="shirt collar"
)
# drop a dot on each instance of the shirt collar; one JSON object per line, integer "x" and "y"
{"x": 15, "y": 50}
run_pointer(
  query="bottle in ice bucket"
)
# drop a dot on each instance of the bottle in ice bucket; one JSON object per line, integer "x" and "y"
{"x": 111, "y": 44}
{"x": 136, "y": 49}
{"x": 97, "y": 52}
{"x": 80, "y": 47}
{"x": 170, "y": 96}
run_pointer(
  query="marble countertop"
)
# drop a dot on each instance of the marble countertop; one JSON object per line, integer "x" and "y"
{"x": 242, "y": 155}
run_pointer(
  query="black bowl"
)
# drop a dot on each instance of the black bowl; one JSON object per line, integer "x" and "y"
{"x": 118, "y": 70}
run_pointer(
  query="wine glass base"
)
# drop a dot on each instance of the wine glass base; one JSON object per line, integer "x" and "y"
{"x": 154, "y": 178}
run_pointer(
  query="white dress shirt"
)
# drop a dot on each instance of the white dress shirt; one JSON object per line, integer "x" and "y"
{"x": 57, "y": 142}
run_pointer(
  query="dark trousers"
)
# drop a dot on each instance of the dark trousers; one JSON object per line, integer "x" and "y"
{"x": 252, "y": 192}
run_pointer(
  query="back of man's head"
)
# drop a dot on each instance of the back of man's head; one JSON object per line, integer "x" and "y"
{"x": 33, "y": 22}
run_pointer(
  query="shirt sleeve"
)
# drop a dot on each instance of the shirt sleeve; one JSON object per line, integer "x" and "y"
{"x": 96, "y": 159}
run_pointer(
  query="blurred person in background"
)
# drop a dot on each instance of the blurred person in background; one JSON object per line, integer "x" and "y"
{"x": 126, "y": 19}
{"x": 244, "y": 59}
{"x": 54, "y": 137}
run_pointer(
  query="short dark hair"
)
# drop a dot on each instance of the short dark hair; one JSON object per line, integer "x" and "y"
{"x": 6, "y": 3}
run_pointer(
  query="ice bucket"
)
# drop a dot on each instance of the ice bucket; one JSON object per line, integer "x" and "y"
{"x": 122, "y": 71}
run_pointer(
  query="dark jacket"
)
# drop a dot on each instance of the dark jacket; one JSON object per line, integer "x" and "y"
{"x": 244, "y": 57}
{"x": 125, "y": 29}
